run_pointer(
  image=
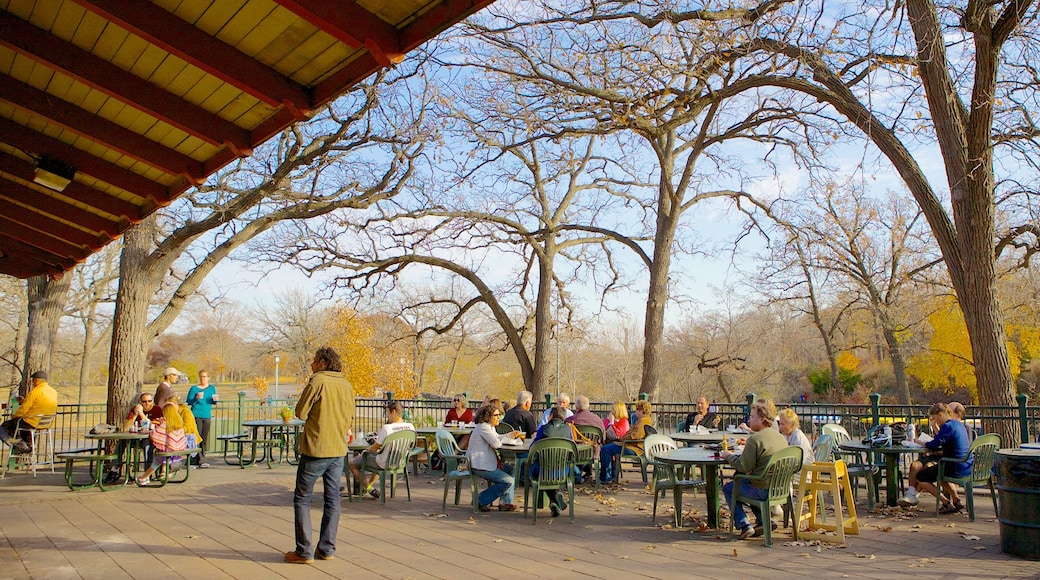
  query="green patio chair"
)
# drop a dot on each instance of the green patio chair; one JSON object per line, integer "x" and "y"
{"x": 777, "y": 477}
{"x": 595, "y": 435}
{"x": 553, "y": 458}
{"x": 982, "y": 451}
{"x": 397, "y": 446}
{"x": 456, "y": 469}
{"x": 665, "y": 477}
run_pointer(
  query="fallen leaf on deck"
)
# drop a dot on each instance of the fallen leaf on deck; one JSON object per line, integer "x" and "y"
{"x": 734, "y": 552}
{"x": 472, "y": 521}
{"x": 498, "y": 541}
{"x": 649, "y": 547}
{"x": 568, "y": 559}
{"x": 804, "y": 555}
{"x": 435, "y": 515}
{"x": 622, "y": 557}
{"x": 974, "y": 538}
{"x": 192, "y": 537}
{"x": 926, "y": 561}
{"x": 979, "y": 548}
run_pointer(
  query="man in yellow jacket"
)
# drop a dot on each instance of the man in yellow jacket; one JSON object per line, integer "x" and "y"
{"x": 42, "y": 399}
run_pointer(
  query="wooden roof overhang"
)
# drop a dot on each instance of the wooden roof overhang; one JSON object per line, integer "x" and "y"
{"x": 138, "y": 101}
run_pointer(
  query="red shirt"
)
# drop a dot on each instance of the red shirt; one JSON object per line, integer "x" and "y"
{"x": 466, "y": 417}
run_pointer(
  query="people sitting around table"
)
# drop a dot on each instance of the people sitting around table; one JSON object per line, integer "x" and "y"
{"x": 42, "y": 399}
{"x": 173, "y": 424}
{"x": 484, "y": 461}
{"x": 702, "y": 417}
{"x": 556, "y": 427}
{"x": 787, "y": 422}
{"x": 520, "y": 415}
{"x": 952, "y": 441}
{"x": 582, "y": 415}
{"x": 141, "y": 415}
{"x": 612, "y": 451}
{"x": 563, "y": 401}
{"x": 616, "y": 424}
{"x": 763, "y": 442}
{"x": 375, "y": 455}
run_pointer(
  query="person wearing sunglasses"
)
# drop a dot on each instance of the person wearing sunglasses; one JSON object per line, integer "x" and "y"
{"x": 484, "y": 461}
{"x": 458, "y": 412}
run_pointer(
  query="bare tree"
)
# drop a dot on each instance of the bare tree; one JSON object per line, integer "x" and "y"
{"x": 358, "y": 150}
{"x": 94, "y": 286}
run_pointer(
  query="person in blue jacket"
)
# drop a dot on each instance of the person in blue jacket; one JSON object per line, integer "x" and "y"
{"x": 951, "y": 440}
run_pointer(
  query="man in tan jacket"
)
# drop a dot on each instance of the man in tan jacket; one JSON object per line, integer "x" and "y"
{"x": 327, "y": 407}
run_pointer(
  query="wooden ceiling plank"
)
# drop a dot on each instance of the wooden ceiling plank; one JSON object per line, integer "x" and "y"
{"x": 70, "y": 213}
{"x": 29, "y": 140}
{"x": 24, "y": 261}
{"x": 115, "y": 82}
{"x": 77, "y": 191}
{"x": 180, "y": 38}
{"x": 58, "y": 229}
{"x": 443, "y": 15}
{"x": 351, "y": 24}
{"x": 36, "y": 239}
{"x": 98, "y": 129}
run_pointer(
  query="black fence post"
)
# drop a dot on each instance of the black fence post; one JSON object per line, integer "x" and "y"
{"x": 875, "y": 410}
{"x": 1023, "y": 416}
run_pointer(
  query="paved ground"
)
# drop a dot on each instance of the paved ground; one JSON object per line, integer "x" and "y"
{"x": 228, "y": 522}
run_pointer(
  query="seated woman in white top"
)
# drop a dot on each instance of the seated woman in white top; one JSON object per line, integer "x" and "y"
{"x": 484, "y": 461}
{"x": 787, "y": 421}
{"x": 375, "y": 457}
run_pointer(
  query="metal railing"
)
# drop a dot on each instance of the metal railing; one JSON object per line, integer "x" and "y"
{"x": 75, "y": 421}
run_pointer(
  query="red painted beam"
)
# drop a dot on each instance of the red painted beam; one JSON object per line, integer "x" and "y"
{"x": 438, "y": 19}
{"x": 57, "y": 208}
{"x": 210, "y": 54}
{"x": 57, "y": 229}
{"x": 23, "y": 261}
{"x": 345, "y": 78}
{"x": 28, "y": 140}
{"x": 351, "y": 24}
{"x": 79, "y": 192}
{"x": 61, "y": 250}
{"x": 38, "y": 45}
{"x": 100, "y": 130}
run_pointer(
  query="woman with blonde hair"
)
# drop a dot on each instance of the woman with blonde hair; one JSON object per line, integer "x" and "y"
{"x": 616, "y": 424}
{"x": 787, "y": 423}
{"x": 611, "y": 452}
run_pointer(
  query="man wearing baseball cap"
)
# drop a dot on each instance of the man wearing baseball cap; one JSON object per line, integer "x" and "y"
{"x": 42, "y": 399}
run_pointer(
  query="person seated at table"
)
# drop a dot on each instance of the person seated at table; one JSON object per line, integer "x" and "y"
{"x": 563, "y": 401}
{"x": 556, "y": 427}
{"x": 951, "y": 440}
{"x": 484, "y": 461}
{"x": 612, "y": 451}
{"x": 191, "y": 431}
{"x": 761, "y": 445}
{"x": 520, "y": 415}
{"x": 144, "y": 410}
{"x": 174, "y": 425}
{"x": 616, "y": 424}
{"x": 458, "y": 413}
{"x": 42, "y": 399}
{"x": 702, "y": 417}
{"x": 582, "y": 415}
{"x": 787, "y": 421}
{"x": 375, "y": 455}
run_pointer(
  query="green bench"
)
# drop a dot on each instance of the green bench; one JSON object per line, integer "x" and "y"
{"x": 174, "y": 472}
{"x": 95, "y": 461}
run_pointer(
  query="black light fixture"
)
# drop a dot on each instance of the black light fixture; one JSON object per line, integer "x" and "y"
{"x": 53, "y": 174}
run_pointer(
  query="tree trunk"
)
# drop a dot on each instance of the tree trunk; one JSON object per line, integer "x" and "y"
{"x": 88, "y": 351}
{"x": 136, "y": 287}
{"x": 46, "y": 299}
{"x": 669, "y": 210}
{"x": 895, "y": 352}
{"x": 544, "y": 329}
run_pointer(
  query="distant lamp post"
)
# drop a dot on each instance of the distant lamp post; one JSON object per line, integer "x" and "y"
{"x": 277, "y": 360}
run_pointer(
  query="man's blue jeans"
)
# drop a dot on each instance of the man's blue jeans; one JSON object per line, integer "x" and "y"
{"x": 740, "y": 520}
{"x": 330, "y": 469}
{"x": 501, "y": 487}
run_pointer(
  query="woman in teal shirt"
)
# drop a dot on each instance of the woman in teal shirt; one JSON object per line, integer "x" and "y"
{"x": 201, "y": 398}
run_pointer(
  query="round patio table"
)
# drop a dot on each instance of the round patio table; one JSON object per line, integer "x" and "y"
{"x": 687, "y": 457}
{"x": 891, "y": 455}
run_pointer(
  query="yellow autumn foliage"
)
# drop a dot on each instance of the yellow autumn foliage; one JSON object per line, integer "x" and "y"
{"x": 948, "y": 362}
{"x": 369, "y": 367}
{"x": 848, "y": 361}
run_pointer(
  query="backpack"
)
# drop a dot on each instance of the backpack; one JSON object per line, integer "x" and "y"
{"x": 879, "y": 436}
{"x": 898, "y": 432}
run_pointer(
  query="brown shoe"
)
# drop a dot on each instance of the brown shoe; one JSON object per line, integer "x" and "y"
{"x": 294, "y": 558}
{"x": 321, "y": 556}
{"x": 506, "y": 507}
{"x": 485, "y": 508}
